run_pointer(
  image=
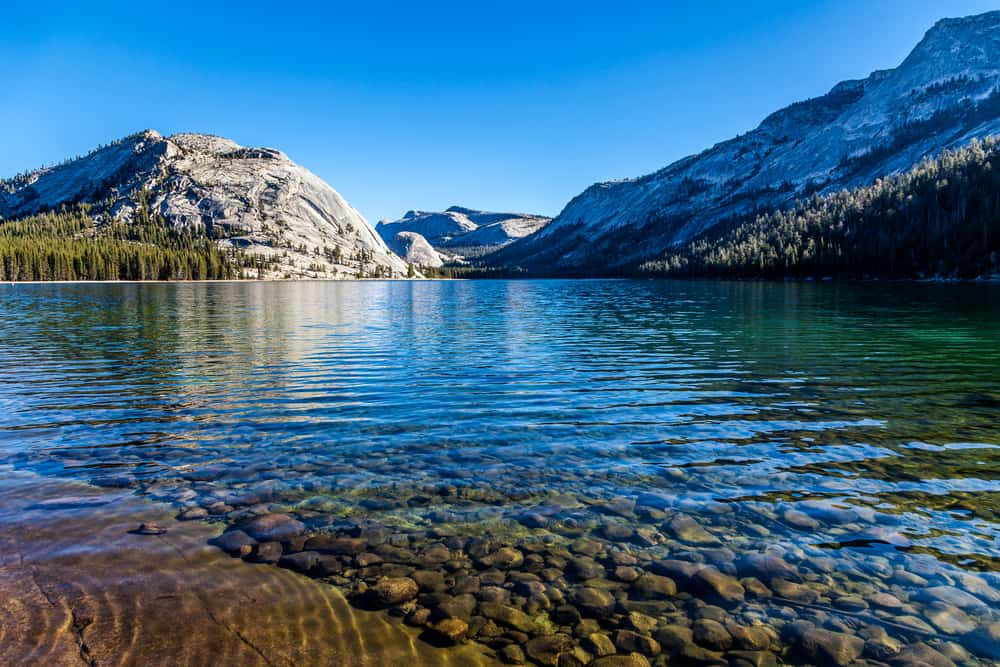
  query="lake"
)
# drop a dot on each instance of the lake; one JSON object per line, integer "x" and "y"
{"x": 722, "y": 473}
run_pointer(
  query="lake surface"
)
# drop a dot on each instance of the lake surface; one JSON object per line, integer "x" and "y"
{"x": 828, "y": 455}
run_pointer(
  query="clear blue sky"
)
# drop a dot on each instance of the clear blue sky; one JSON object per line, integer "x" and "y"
{"x": 501, "y": 105}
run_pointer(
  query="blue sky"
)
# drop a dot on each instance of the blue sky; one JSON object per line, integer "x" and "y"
{"x": 502, "y": 106}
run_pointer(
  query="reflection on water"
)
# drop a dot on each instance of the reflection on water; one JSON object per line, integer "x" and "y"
{"x": 825, "y": 445}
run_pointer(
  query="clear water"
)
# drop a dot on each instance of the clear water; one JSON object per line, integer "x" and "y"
{"x": 536, "y": 410}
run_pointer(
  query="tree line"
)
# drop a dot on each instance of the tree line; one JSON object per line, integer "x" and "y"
{"x": 941, "y": 219}
{"x": 70, "y": 245}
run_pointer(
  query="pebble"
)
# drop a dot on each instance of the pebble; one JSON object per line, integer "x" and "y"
{"x": 273, "y": 527}
{"x": 452, "y": 630}
{"x": 955, "y": 597}
{"x": 265, "y": 552}
{"x": 512, "y": 654}
{"x": 753, "y": 638}
{"x": 948, "y": 619}
{"x": 504, "y": 558}
{"x": 922, "y": 655}
{"x": 825, "y": 646}
{"x": 688, "y": 530}
{"x": 545, "y": 649}
{"x": 715, "y": 585}
{"x": 653, "y": 587}
{"x": 794, "y": 592}
{"x": 507, "y": 615}
{"x": 600, "y": 644}
{"x": 344, "y": 546}
{"x": 149, "y": 529}
{"x": 584, "y": 568}
{"x": 595, "y": 602}
{"x": 235, "y": 542}
{"x": 629, "y": 641}
{"x": 391, "y": 591}
{"x": 679, "y": 570}
{"x": 303, "y": 561}
{"x": 766, "y": 567}
{"x": 640, "y": 622}
{"x": 850, "y": 603}
{"x": 626, "y": 573}
{"x": 886, "y": 601}
{"x": 711, "y": 634}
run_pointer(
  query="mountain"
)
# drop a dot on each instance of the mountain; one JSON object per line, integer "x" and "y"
{"x": 415, "y": 249}
{"x": 940, "y": 219}
{"x": 944, "y": 94}
{"x": 254, "y": 201}
{"x": 458, "y": 231}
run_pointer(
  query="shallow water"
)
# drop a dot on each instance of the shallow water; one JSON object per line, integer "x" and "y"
{"x": 850, "y": 431}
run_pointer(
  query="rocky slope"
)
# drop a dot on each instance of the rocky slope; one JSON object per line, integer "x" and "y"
{"x": 254, "y": 199}
{"x": 459, "y": 231}
{"x": 414, "y": 249}
{"x": 944, "y": 94}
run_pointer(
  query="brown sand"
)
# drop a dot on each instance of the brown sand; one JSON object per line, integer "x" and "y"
{"x": 76, "y": 588}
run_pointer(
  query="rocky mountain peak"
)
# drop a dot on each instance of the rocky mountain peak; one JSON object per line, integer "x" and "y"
{"x": 254, "y": 199}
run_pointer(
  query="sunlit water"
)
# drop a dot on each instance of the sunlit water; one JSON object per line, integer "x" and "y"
{"x": 850, "y": 429}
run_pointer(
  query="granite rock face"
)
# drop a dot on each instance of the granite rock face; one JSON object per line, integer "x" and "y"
{"x": 253, "y": 199}
{"x": 463, "y": 232}
{"x": 414, "y": 249}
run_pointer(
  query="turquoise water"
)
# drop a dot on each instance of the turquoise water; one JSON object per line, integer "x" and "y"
{"x": 851, "y": 429}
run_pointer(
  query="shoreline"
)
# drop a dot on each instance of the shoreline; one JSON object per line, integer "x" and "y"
{"x": 982, "y": 280}
{"x": 77, "y": 586}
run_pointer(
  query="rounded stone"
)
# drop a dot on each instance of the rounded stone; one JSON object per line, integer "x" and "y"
{"x": 594, "y": 602}
{"x": 235, "y": 542}
{"x": 715, "y": 585}
{"x": 273, "y": 527}
{"x": 512, "y": 654}
{"x": 545, "y": 649}
{"x": 628, "y": 641}
{"x": 674, "y": 637}
{"x": 600, "y": 644}
{"x": 711, "y": 634}
{"x": 452, "y": 630}
{"x": 653, "y": 587}
{"x": 391, "y": 591}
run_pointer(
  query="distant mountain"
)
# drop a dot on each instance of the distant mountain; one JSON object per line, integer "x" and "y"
{"x": 251, "y": 200}
{"x": 943, "y": 95}
{"x": 458, "y": 231}
{"x": 415, "y": 250}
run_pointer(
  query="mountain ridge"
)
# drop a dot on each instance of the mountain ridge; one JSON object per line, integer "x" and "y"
{"x": 457, "y": 232}
{"x": 943, "y": 94}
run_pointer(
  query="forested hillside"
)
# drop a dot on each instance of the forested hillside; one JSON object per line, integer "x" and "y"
{"x": 69, "y": 245}
{"x": 941, "y": 219}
